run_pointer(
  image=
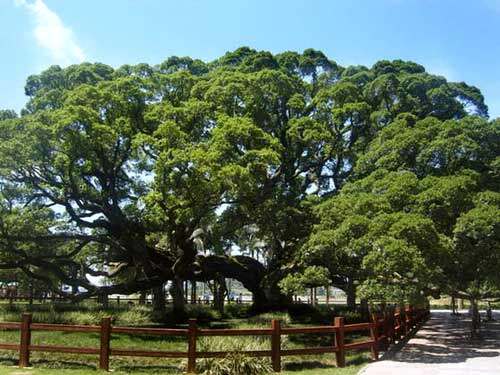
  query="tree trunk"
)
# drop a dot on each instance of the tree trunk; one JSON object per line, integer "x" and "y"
{"x": 142, "y": 297}
{"x": 159, "y": 300}
{"x": 270, "y": 292}
{"x": 177, "y": 293}
{"x": 260, "y": 302}
{"x": 475, "y": 319}
{"x": 453, "y": 305}
{"x": 186, "y": 291}
{"x": 364, "y": 310}
{"x": 219, "y": 293}
{"x": 193, "y": 292}
{"x": 105, "y": 301}
{"x": 31, "y": 292}
{"x": 351, "y": 295}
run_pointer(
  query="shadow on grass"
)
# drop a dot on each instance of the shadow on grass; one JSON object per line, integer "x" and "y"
{"x": 51, "y": 364}
{"x": 148, "y": 339}
{"x": 149, "y": 369}
{"x": 62, "y": 364}
{"x": 306, "y": 365}
{"x": 301, "y": 364}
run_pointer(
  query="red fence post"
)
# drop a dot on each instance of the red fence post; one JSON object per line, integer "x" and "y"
{"x": 374, "y": 337}
{"x": 24, "y": 347}
{"x": 387, "y": 330}
{"x": 276, "y": 345}
{"x": 105, "y": 344}
{"x": 411, "y": 316}
{"x": 392, "y": 323}
{"x": 339, "y": 341}
{"x": 394, "y": 320}
{"x": 407, "y": 320}
{"x": 402, "y": 322}
{"x": 192, "y": 332}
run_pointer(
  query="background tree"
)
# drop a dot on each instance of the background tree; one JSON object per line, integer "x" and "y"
{"x": 422, "y": 198}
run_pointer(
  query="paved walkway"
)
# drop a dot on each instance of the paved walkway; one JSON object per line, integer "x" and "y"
{"x": 441, "y": 347}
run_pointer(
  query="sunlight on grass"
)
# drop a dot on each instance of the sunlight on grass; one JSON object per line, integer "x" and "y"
{"x": 72, "y": 364}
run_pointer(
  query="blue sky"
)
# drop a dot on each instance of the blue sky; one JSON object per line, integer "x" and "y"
{"x": 458, "y": 39}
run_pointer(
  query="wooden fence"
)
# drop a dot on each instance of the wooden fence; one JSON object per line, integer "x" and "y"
{"x": 123, "y": 301}
{"x": 383, "y": 330}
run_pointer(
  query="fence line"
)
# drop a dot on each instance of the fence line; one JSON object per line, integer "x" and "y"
{"x": 383, "y": 331}
{"x": 117, "y": 300}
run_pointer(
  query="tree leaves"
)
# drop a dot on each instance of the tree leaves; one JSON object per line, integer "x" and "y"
{"x": 137, "y": 158}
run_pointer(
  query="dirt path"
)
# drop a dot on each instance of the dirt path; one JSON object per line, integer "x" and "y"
{"x": 441, "y": 347}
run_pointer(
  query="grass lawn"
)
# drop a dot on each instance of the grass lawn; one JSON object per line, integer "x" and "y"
{"x": 351, "y": 370}
{"x": 67, "y": 364}
{"x": 71, "y": 364}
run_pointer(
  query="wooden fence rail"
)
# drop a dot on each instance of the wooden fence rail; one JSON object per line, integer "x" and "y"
{"x": 383, "y": 331}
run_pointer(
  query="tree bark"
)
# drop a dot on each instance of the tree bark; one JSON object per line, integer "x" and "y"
{"x": 475, "y": 319}
{"x": 193, "y": 292}
{"x": 252, "y": 274}
{"x": 177, "y": 293}
{"x": 186, "y": 291}
{"x": 142, "y": 297}
{"x": 104, "y": 300}
{"x": 159, "y": 300}
{"x": 351, "y": 294}
{"x": 364, "y": 310}
{"x": 219, "y": 293}
{"x": 31, "y": 292}
{"x": 453, "y": 305}
{"x": 260, "y": 302}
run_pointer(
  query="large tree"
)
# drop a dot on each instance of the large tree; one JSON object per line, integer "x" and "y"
{"x": 137, "y": 166}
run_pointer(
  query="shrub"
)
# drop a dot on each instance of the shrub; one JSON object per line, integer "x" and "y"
{"x": 352, "y": 317}
{"x": 234, "y": 363}
{"x": 266, "y": 318}
{"x": 136, "y": 316}
{"x": 321, "y": 314}
{"x": 307, "y": 314}
{"x": 203, "y": 313}
{"x": 237, "y": 310}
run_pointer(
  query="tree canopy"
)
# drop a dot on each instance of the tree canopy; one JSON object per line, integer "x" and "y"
{"x": 147, "y": 174}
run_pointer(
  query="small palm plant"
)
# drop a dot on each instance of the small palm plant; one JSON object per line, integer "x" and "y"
{"x": 233, "y": 363}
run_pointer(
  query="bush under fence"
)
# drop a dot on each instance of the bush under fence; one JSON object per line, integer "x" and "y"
{"x": 384, "y": 330}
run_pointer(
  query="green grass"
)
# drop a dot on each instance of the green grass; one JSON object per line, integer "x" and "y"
{"x": 351, "y": 370}
{"x": 70, "y": 364}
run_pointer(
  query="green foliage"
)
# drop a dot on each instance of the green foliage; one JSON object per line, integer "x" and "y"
{"x": 233, "y": 363}
{"x": 301, "y": 313}
{"x": 149, "y": 166}
{"x": 408, "y": 225}
{"x": 237, "y": 364}
{"x": 476, "y": 251}
{"x": 312, "y": 276}
{"x": 6, "y": 114}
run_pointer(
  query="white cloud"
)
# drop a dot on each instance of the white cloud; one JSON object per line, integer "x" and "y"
{"x": 51, "y": 33}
